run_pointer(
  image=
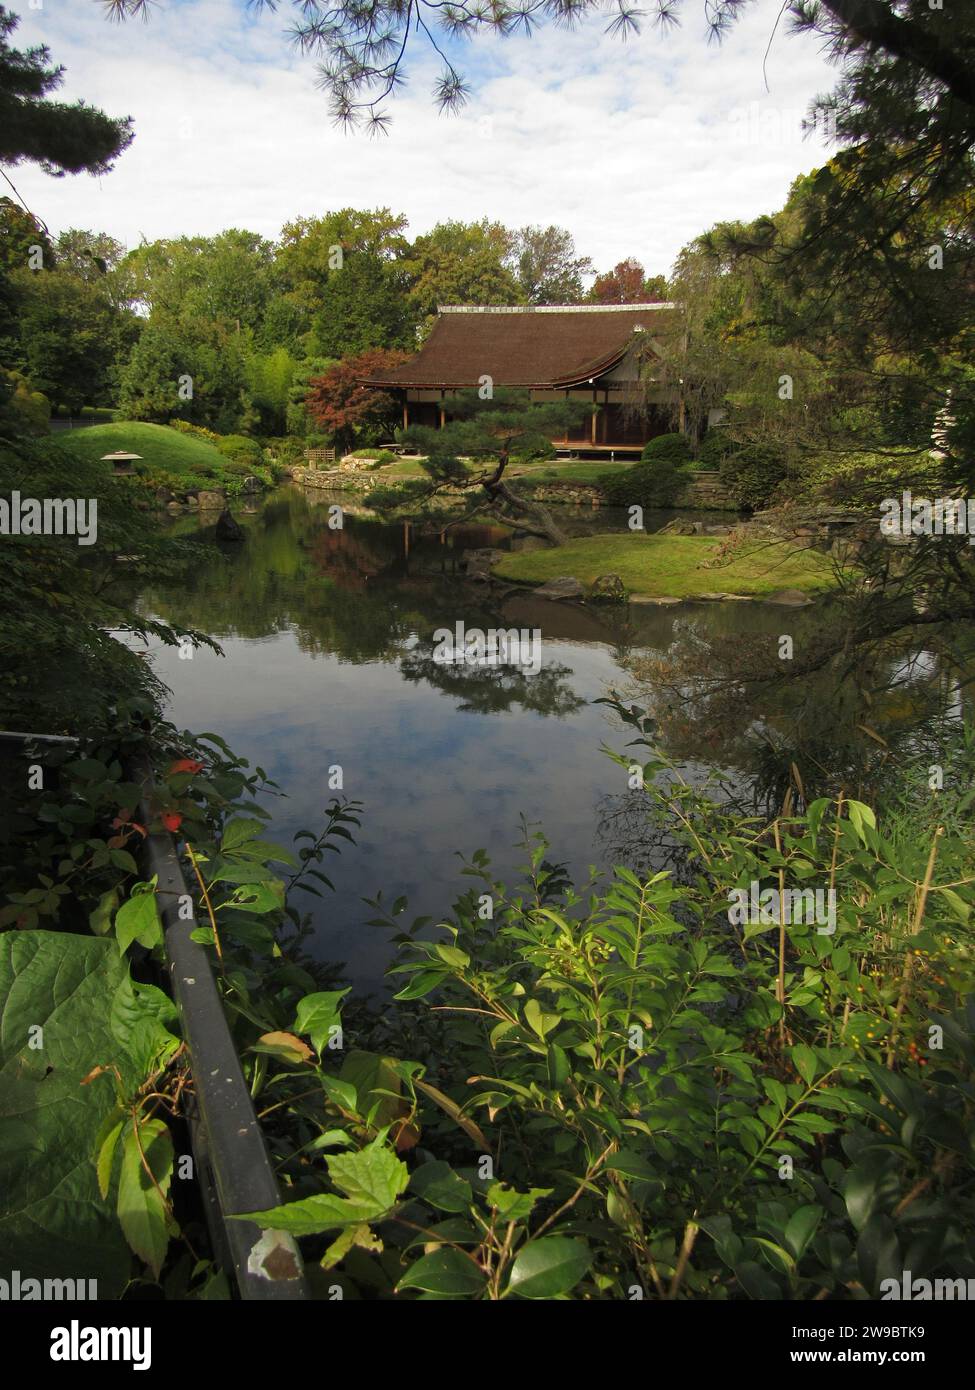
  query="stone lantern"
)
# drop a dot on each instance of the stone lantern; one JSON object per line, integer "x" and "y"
{"x": 121, "y": 462}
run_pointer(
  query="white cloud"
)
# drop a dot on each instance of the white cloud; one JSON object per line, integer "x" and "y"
{"x": 635, "y": 147}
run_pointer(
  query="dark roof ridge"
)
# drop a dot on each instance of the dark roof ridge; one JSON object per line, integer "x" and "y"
{"x": 553, "y": 308}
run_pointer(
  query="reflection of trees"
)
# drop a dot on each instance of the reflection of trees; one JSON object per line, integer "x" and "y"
{"x": 629, "y": 836}
{"x": 812, "y": 722}
{"x": 346, "y": 558}
{"x": 357, "y": 592}
{"x": 493, "y": 689}
{"x": 292, "y": 573}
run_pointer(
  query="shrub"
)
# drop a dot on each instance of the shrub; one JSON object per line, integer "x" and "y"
{"x": 386, "y": 456}
{"x": 656, "y": 483}
{"x": 239, "y": 449}
{"x": 30, "y": 409}
{"x": 750, "y": 473}
{"x": 531, "y": 448}
{"x": 653, "y": 1066}
{"x": 285, "y": 451}
{"x": 714, "y": 448}
{"x": 670, "y": 448}
{"x": 185, "y": 427}
{"x": 861, "y": 480}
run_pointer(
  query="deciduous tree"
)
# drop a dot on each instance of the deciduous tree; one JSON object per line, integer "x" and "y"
{"x": 546, "y": 266}
{"x": 628, "y": 283}
{"x": 343, "y": 407}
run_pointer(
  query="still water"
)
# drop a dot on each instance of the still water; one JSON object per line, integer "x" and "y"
{"x": 327, "y": 663}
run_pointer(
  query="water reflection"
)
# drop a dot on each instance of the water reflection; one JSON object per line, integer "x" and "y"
{"x": 328, "y": 639}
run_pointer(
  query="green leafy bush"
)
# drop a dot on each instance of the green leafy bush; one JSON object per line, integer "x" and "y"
{"x": 714, "y": 447}
{"x": 861, "y": 480}
{"x": 717, "y": 1109}
{"x": 750, "y": 474}
{"x": 656, "y": 483}
{"x": 285, "y": 450}
{"x": 185, "y": 427}
{"x": 669, "y": 448}
{"x": 29, "y": 410}
{"x": 618, "y": 1092}
{"x": 532, "y": 448}
{"x": 239, "y": 449}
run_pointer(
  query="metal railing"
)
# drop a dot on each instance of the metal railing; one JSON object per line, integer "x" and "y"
{"x": 231, "y": 1157}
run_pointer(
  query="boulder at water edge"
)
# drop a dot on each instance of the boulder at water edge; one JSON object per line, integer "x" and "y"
{"x": 227, "y": 528}
{"x": 563, "y": 587}
{"x": 607, "y": 588}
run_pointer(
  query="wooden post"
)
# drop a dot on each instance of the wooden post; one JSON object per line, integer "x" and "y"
{"x": 406, "y": 415}
{"x": 443, "y": 395}
{"x": 593, "y": 431}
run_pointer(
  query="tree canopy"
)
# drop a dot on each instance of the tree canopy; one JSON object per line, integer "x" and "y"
{"x": 62, "y": 137}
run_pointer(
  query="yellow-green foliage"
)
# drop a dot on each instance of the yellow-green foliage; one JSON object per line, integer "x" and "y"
{"x": 862, "y": 479}
{"x": 186, "y": 427}
{"x": 31, "y": 408}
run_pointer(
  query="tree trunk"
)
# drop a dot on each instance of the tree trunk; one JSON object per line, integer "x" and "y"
{"x": 506, "y": 500}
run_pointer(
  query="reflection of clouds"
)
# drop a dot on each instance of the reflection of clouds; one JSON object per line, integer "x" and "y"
{"x": 434, "y": 780}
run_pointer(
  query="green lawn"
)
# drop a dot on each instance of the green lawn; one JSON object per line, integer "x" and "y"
{"x": 546, "y": 471}
{"x": 668, "y": 566}
{"x": 568, "y": 471}
{"x": 402, "y": 468}
{"x": 163, "y": 450}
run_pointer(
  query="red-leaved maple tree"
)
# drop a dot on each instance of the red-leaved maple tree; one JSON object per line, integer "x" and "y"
{"x": 342, "y": 406}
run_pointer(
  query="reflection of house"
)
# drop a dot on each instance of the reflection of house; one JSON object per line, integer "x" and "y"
{"x": 591, "y": 353}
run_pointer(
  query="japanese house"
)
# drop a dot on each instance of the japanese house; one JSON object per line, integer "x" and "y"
{"x": 600, "y": 354}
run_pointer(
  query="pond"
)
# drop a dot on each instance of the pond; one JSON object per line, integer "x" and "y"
{"x": 327, "y": 641}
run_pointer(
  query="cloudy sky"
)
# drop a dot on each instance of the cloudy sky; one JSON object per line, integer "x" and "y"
{"x": 634, "y": 146}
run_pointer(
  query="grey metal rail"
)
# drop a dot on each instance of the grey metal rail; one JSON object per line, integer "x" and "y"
{"x": 230, "y": 1155}
{"x": 38, "y": 738}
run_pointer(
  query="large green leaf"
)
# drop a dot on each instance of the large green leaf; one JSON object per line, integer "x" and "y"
{"x": 53, "y": 1222}
{"x": 548, "y": 1267}
{"x": 446, "y": 1273}
{"x": 239, "y": 830}
{"x": 378, "y": 1086}
{"x": 317, "y": 1014}
{"x": 371, "y": 1179}
{"x": 138, "y": 920}
{"x": 439, "y": 1186}
{"x": 147, "y": 1168}
{"x": 310, "y": 1215}
{"x": 373, "y": 1175}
